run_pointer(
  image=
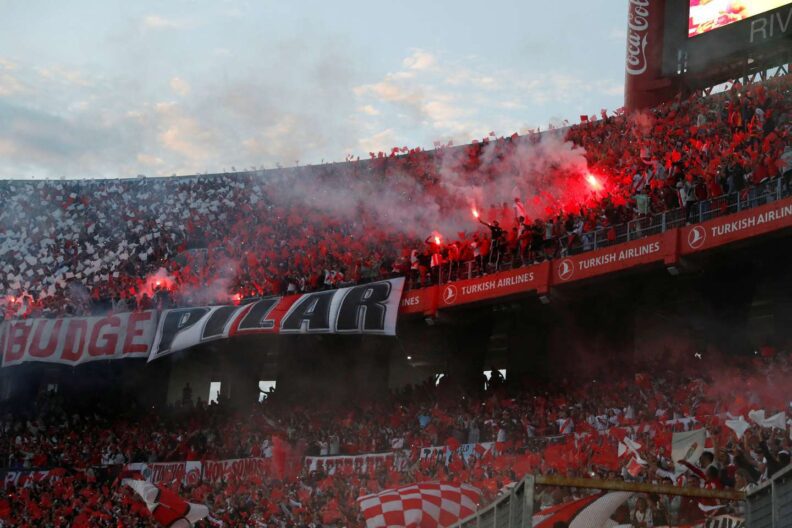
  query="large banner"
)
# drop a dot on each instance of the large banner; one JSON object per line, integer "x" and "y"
{"x": 657, "y": 248}
{"x": 365, "y": 309}
{"x": 512, "y": 282}
{"x": 732, "y": 228}
{"x": 465, "y": 452}
{"x": 20, "y": 479}
{"x": 359, "y": 464}
{"x": 77, "y": 340}
{"x": 167, "y": 472}
{"x": 420, "y": 301}
{"x": 235, "y": 469}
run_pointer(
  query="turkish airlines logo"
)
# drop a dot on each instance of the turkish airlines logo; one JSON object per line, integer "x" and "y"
{"x": 566, "y": 269}
{"x": 638, "y": 25}
{"x": 696, "y": 237}
{"x": 450, "y": 294}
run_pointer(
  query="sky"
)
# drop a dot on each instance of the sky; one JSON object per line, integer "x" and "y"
{"x": 111, "y": 89}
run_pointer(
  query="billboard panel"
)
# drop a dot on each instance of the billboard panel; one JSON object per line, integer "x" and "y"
{"x": 706, "y": 15}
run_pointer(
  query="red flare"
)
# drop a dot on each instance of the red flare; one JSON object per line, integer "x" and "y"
{"x": 475, "y": 213}
{"x": 437, "y": 240}
{"x": 593, "y": 182}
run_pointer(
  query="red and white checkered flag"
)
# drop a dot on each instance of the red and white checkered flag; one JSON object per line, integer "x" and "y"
{"x": 423, "y": 505}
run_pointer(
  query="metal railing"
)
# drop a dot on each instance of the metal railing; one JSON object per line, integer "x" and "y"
{"x": 516, "y": 508}
{"x": 770, "y": 504}
{"x": 512, "y": 510}
{"x": 697, "y": 212}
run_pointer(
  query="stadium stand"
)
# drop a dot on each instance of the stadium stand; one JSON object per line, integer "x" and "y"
{"x": 77, "y": 247}
{"x": 307, "y": 465}
{"x": 71, "y": 248}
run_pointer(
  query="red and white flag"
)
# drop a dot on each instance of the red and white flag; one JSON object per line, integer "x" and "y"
{"x": 593, "y": 510}
{"x": 165, "y": 506}
{"x": 424, "y": 505}
{"x": 634, "y": 467}
{"x": 628, "y": 446}
{"x": 777, "y": 421}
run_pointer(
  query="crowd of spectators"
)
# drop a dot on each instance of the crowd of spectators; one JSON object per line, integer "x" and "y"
{"x": 75, "y": 247}
{"x": 571, "y": 427}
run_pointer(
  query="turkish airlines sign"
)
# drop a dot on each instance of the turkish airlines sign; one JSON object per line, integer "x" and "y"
{"x": 422, "y": 301}
{"x": 608, "y": 260}
{"x": 366, "y": 309}
{"x": 747, "y": 224}
{"x": 76, "y": 340}
{"x": 489, "y": 287}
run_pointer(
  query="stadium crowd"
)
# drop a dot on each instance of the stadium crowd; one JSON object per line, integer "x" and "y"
{"x": 616, "y": 427}
{"x": 78, "y": 247}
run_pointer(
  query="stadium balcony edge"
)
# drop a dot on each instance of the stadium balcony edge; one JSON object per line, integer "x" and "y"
{"x": 726, "y": 220}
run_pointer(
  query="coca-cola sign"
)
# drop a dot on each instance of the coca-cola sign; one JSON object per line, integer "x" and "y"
{"x": 637, "y": 31}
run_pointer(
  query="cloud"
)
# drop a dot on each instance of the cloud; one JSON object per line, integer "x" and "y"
{"x": 618, "y": 34}
{"x": 183, "y": 134}
{"x": 180, "y": 86}
{"x": 443, "y": 114}
{"x": 63, "y": 75}
{"x": 369, "y": 110}
{"x": 154, "y": 22}
{"x": 149, "y": 161}
{"x": 611, "y": 88}
{"x": 390, "y": 91}
{"x": 380, "y": 142}
{"x": 419, "y": 60}
{"x": 64, "y": 120}
{"x": 10, "y": 85}
{"x": 35, "y": 142}
{"x": 464, "y": 98}
{"x": 7, "y": 64}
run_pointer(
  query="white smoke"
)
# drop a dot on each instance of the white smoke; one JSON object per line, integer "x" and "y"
{"x": 546, "y": 173}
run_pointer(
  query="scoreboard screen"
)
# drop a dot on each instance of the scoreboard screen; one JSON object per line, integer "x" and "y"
{"x": 706, "y": 15}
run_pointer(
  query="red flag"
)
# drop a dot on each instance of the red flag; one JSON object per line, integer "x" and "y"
{"x": 634, "y": 467}
{"x": 285, "y": 459}
{"x": 165, "y": 506}
{"x": 593, "y": 510}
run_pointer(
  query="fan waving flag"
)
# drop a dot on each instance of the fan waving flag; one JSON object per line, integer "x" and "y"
{"x": 165, "y": 506}
{"x": 424, "y": 505}
{"x": 594, "y": 510}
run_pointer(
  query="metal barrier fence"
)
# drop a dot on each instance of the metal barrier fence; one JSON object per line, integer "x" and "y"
{"x": 514, "y": 509}
{"x": 770, "y": 504}
{"x": 592, "y": 503}
{"x": 699, "y": 211}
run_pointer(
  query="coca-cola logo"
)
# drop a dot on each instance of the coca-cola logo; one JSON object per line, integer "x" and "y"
{"x": 638, "y": 28}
